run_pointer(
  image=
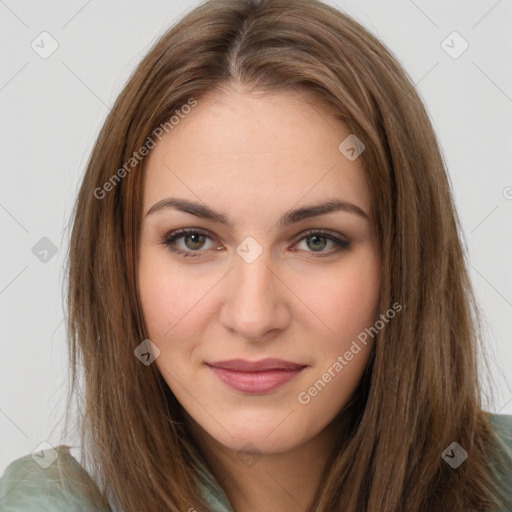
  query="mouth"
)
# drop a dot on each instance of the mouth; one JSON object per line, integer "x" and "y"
{"x": 255, "y": 377}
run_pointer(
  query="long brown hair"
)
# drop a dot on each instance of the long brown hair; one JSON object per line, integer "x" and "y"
{"x": 420, "y": 391}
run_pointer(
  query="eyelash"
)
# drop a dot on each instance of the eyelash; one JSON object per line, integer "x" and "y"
{"x": 171, "y": 237}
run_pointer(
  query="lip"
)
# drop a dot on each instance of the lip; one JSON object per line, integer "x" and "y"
{"x": 242, "y": 365}
{"x": 261, "y": 376}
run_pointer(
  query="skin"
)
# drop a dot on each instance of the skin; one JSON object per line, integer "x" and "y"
{"x": 254, "y": 157}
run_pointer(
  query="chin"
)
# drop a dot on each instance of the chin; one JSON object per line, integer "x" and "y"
{"x": 258, "y": 442}
{"x": 266, "y": 435}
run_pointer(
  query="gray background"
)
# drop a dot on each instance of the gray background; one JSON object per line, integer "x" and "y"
{"x": 52, "y": 109}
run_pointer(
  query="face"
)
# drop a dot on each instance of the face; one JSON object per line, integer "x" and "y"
{"x": 249, "y": 280}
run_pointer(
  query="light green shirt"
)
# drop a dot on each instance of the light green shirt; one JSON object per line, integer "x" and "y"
{"x": 27, "y": 486}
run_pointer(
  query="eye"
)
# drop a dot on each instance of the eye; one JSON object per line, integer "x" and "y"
{"x": 319, "y": 239}
{"x": 194, "y": 240}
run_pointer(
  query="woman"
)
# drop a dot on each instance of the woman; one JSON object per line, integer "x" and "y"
{"x": 267, "y": 288}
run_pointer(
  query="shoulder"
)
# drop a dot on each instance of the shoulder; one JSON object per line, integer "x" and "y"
{"x": 50, "y": 479}
{"x": 502, "y": 425}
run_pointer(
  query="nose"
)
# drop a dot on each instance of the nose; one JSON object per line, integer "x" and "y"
{"x": 256, "y": 300}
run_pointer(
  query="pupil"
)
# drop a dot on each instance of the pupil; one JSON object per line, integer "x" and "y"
{"x": 321, "y": 246}
{"x": 194, "y": 241}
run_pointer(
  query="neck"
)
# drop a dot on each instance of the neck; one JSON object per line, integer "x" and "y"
{"x": 284, "y": 482}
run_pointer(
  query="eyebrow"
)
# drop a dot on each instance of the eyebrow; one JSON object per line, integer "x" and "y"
{"x": 290, "y": 217}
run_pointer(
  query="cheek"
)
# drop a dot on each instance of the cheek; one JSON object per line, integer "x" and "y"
{"x": 165, "y": 295}
{"x": 346, "y": 299}
{"x": 158, "y": 302}
{"x": 329, "y": 391}
{"x": 175, "y": 309}
{"x": 351, "y": 308}
{"x": 163, "y": 308}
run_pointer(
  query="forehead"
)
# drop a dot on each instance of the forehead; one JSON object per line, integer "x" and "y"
{"x": 256, "y": 146}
